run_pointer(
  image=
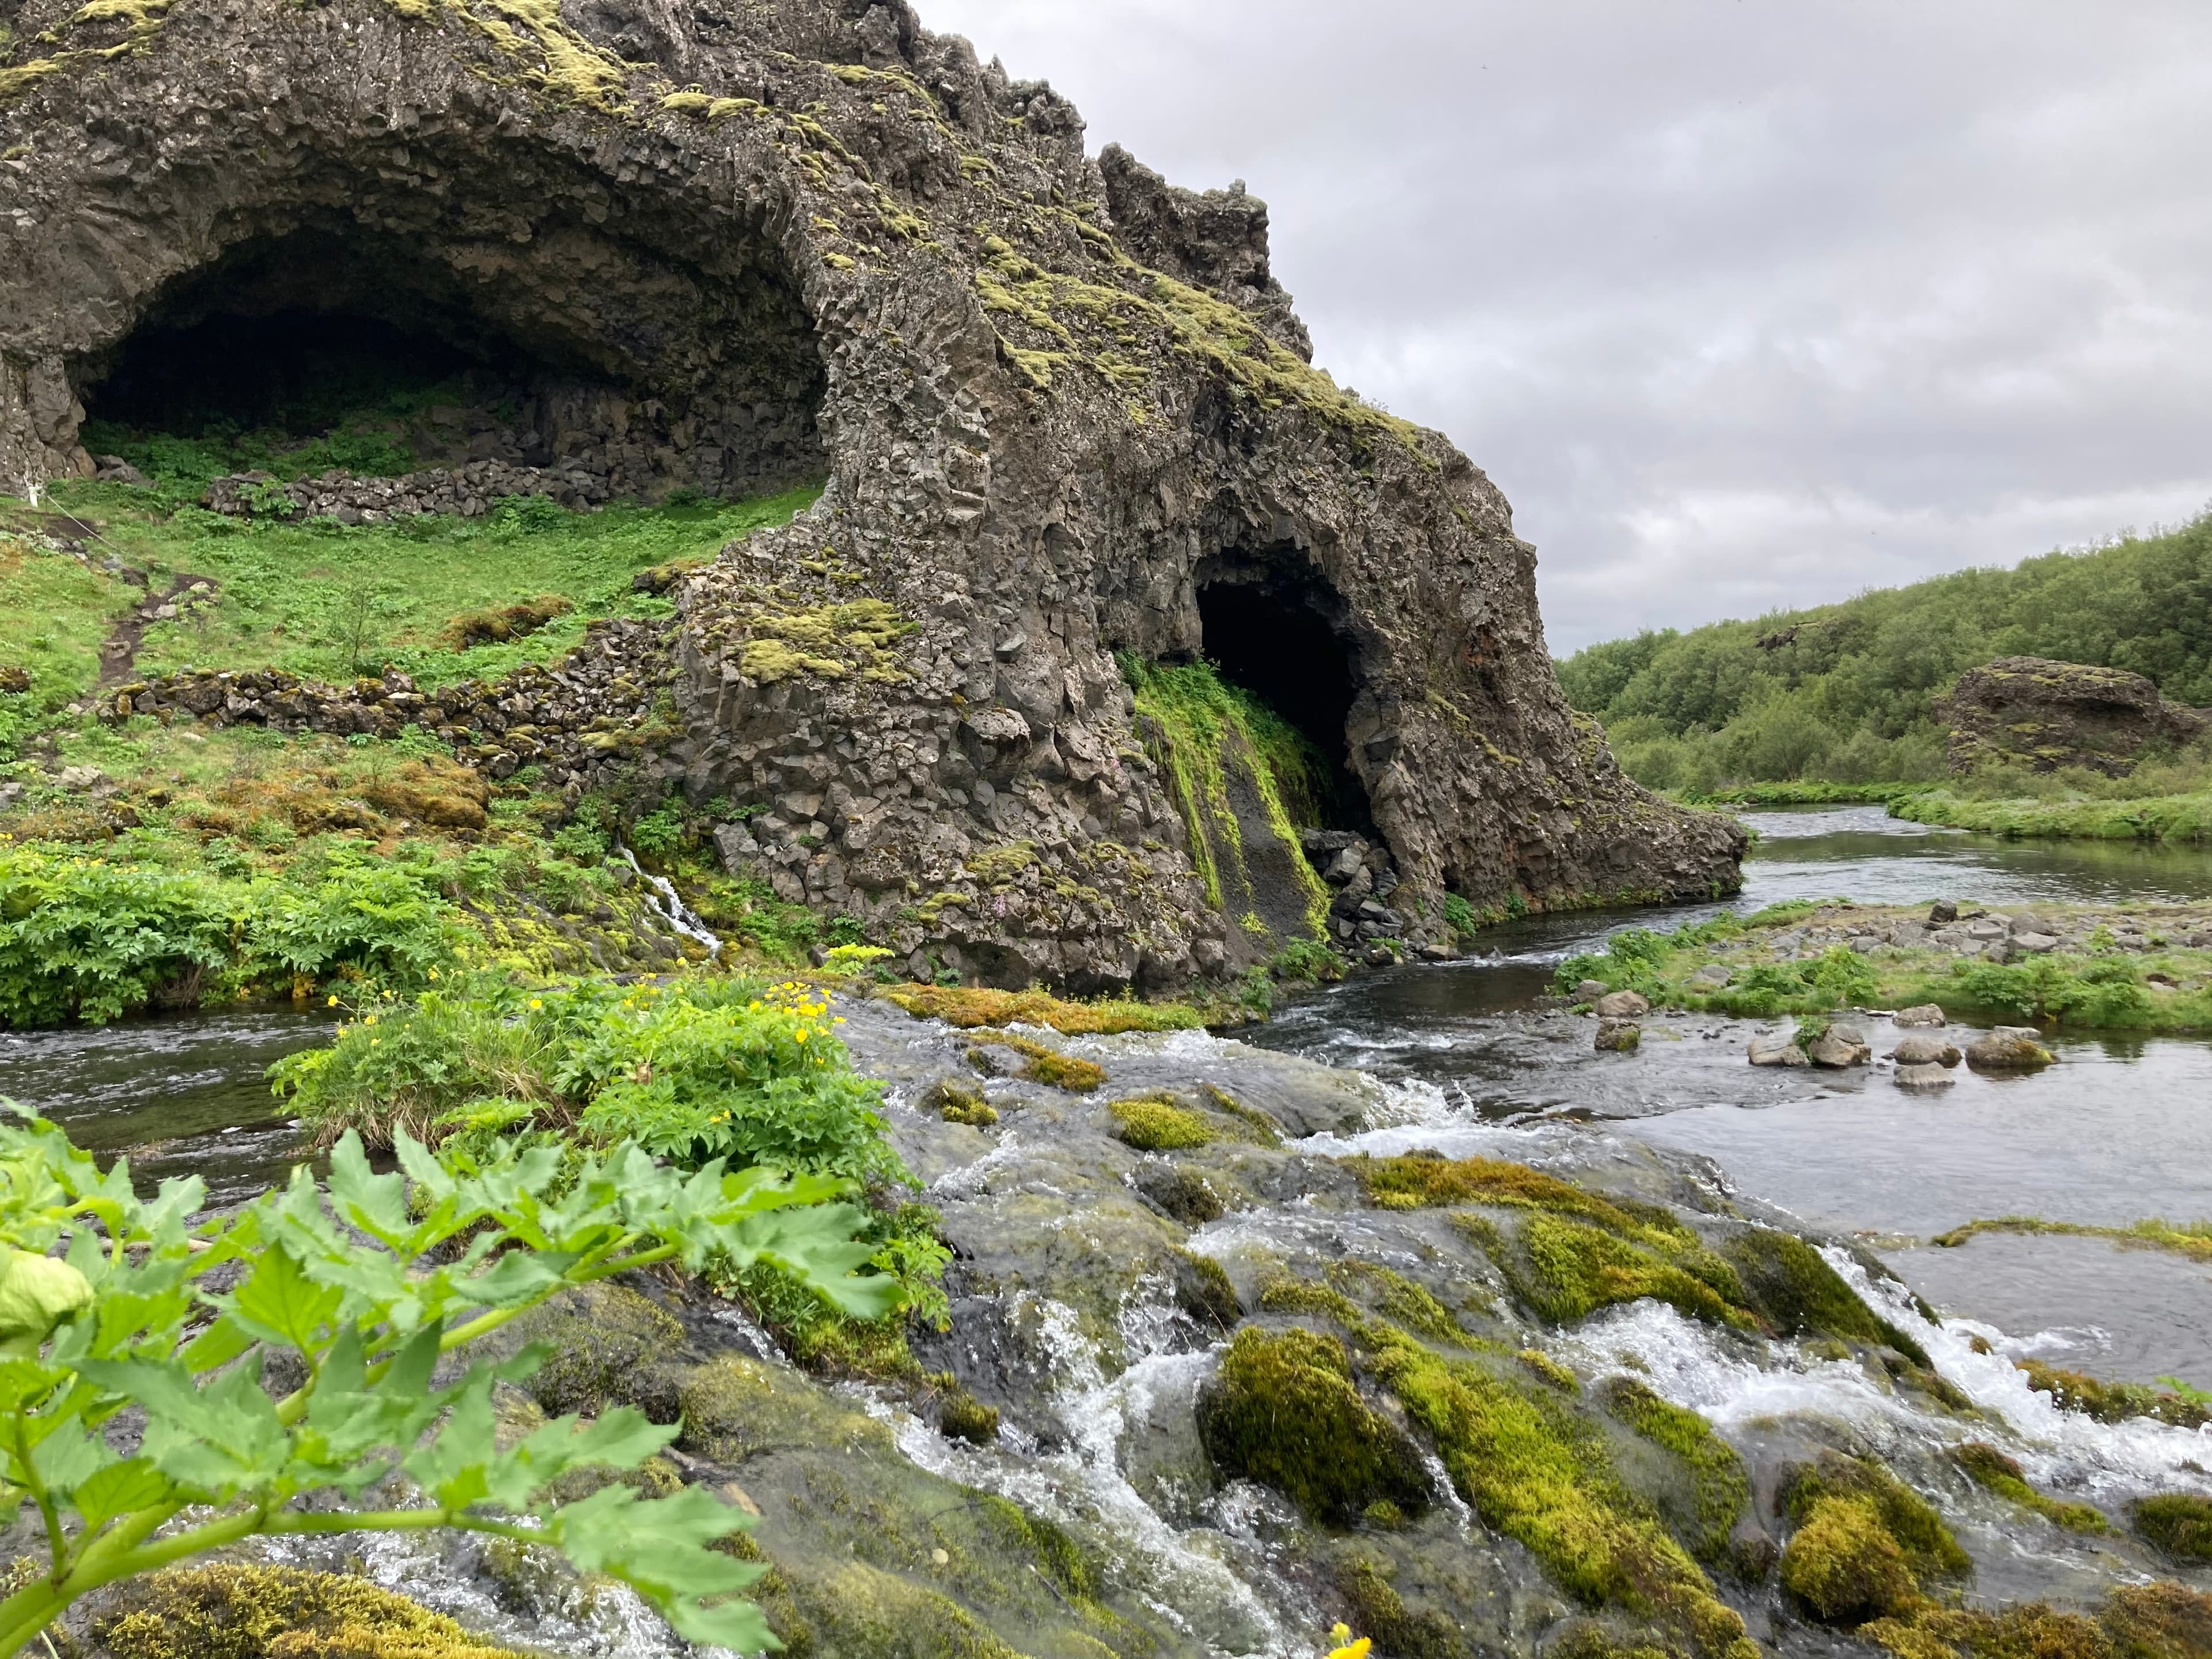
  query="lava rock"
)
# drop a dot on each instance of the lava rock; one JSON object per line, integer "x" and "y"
{"x": 1923, "y": 1077}
{"x": 1942, "y": 911}
{"x": 1917, "y": 1050}
{"x": 2008, "y": 1048}
{"x": 1838, "y": 1047}
{"x": 1777, "y": 1051}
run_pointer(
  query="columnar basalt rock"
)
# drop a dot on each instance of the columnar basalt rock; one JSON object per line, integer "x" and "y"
{"x": 1062, "y": 408}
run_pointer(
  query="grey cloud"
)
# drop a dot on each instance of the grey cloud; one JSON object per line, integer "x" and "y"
{"x": 1743, "y": 305}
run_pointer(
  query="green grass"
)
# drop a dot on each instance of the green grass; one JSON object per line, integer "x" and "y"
{"x": 329, "y": 601}
{"x": 54, "y": 613}
{"x": 2184, "y": 818}
{"x": 1802, "y": 792}
{"x": 2094, "y": 989}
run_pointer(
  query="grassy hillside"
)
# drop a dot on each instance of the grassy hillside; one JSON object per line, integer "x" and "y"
{"x": 1841, "y": 693}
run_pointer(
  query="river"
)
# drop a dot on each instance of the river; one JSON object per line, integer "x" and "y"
{"x": 1099, "y": 1380}
{"x": 2121, "y": 1130}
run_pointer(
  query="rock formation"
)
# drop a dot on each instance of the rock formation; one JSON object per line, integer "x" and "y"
{"x": 1064, "y": 411}
{"x": 2035, "y": 712}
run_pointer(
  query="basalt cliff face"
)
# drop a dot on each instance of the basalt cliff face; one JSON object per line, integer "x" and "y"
{"x": 1064, "y": 410}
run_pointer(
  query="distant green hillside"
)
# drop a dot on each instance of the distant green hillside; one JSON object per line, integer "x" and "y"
{"x": 1841, "y": 693}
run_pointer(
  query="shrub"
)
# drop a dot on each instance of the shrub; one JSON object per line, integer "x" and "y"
{"x": 360, "y": 1288}
{"x": 82, "y": 939}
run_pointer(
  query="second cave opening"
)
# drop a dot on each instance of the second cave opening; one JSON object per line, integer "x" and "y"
{"x": 1273, "y": 639}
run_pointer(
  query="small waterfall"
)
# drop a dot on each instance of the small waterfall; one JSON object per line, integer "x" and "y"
{"x": 669, "y": 906}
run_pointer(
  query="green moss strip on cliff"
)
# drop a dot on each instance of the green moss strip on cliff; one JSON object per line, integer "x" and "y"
{"x": 1197, "y": 716}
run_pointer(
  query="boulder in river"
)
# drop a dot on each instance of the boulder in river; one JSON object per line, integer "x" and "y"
{"x": 1923, "y": 1077}
{"x": 1622, "y": 1005}
{"x": 1838, "y": 1047}
{"x": 1618, "y": 1036}
{"x": 1922, "y": 1013}
{"x": 1777, "y": 1051}
{"x": 2008, "y": 1048}
{"x": 1590, "y": 990}
{"x": 1919, "y": 1050}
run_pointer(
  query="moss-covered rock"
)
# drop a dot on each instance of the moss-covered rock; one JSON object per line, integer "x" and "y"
{"x": 610, "y": 1345}
{"x": 1993, "y": 1471}
{"x": 2158, "y": 1621}
{"x": 1285, "y": 1411}
{"x": 1717, "y": 1488}
{"x": 2179, "y": 1523}
{"x": 1379, "y": 1612}
{"x": 1798, "y": 1294}
{"x": 1865, "y": 1543}
{"x": 239, "y": 1610}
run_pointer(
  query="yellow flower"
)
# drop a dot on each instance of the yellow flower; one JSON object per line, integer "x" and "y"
{"x": 1351, "y": 1650}
{"x": 373, "y": 1042}
{"x": 535, "y": 1004}
{"x": 839, "y": 1020}
{"x": 333, "y": 1002}
{"x": 802, "y": 1034}
{"x": 433, "y": 973}
{"x": 371, "y": 1020}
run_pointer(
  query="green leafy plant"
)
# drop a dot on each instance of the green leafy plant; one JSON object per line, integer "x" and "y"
{"x": 86, "y": 938}
{"x": 363, "y": 1287}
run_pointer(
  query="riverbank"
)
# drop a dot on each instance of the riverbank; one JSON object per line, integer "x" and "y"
{"x": 2186, "y": 818}
{"x": 2145, "y": 969}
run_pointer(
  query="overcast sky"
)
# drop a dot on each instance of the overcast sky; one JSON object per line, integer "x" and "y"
{"x": 1744, "y": 303}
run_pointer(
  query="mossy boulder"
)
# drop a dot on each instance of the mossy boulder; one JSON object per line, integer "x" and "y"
{"x": 1155, "y": 1123}
{"x": 1285, "y": 1411}
{"x": 1797, "y": 1294}
{"x": 1865, "y": 1543}
{"x": 241, "y": 1610}
{"x": 611, "y": 1345}
{"x": 2179, "y": 1523}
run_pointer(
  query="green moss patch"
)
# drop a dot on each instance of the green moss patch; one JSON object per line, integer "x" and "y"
{"x": 971, "y": 1006}
{"x": 1154, "y": 1123}
{"x": 1718, "y": 1485}
{"x": 233, "y": 1610}
{"x": 1285, "y": 1411}
{"x": 1798, "y": 1294}
{"x": 1992, "y": 1470}
{"x": 1866, "y": 1545}
{"x": 2113, "y": 1403}
{"x": 2179, "y": 1523}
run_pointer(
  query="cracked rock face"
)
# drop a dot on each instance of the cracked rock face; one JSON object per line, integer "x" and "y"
{"x": 1057, "y": 402}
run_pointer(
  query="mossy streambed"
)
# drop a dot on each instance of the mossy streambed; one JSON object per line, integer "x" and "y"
{"x": 1238, "y": 1344}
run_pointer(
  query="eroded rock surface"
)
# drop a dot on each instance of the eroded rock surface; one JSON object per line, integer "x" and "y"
{"x": 1063, "y": 409}
{"x": 2035, "y": 713}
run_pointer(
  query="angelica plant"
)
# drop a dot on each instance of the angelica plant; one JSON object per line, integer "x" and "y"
{"x": 378, "y": 1284}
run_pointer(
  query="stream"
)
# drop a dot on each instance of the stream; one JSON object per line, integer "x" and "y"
{"x": 1099, "y": 1378}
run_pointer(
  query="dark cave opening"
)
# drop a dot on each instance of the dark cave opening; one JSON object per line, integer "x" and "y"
{"x": 328, "y": 347}
{"x": 1275, "y": 641}
{"x": 294, "y": 334}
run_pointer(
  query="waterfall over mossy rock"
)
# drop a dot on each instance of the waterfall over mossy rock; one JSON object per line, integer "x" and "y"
{"x": 1064, "y": 411}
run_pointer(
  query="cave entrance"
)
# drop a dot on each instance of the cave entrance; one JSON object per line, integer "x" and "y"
{"x": 293, "y": 337}
{"x": 1275, "y": 638}
{"x": 332, "y": 346}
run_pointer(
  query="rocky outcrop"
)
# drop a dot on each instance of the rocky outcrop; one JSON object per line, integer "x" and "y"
{"x": 466, "y": 492}
{"x": 2034, "y": 713}
{"x": 1063, "y": 410}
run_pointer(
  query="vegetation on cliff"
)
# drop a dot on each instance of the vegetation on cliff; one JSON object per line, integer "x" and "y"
{"x": 1841, "y": 693}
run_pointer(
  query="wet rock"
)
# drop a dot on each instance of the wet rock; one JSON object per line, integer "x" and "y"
{"x": 1921, "y": 1013}
{"x": 2008, "y": 1048}
{"x": 1622, "y": 1005}
{"x": 1923, "y": 1076}
{"x": 1618, "y": 1035}
{"x": 1942, "y": 911}
{"x": 1590, "y": 990}
{"x": 1839, "y": 1047}
{"x": 1917, "y": 1050}
{"x": 1777, "y": 1051}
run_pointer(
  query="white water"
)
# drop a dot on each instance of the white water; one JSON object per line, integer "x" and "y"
{"x": 668, "y": 904}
